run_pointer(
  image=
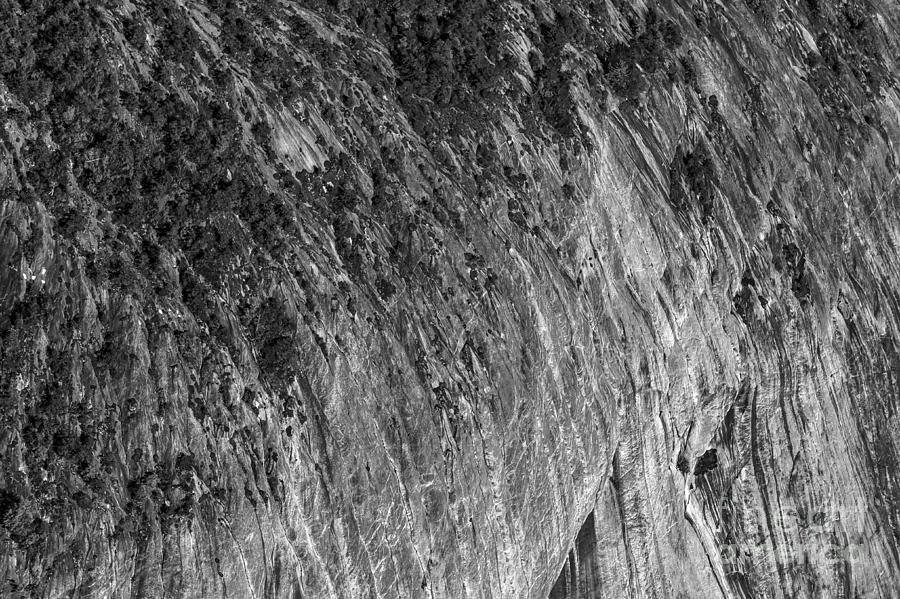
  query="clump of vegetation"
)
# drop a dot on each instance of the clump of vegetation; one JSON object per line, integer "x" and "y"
{"x": 9, "y": 502}
{"x": 575, "y": 50}
{"x": 653, "y": 49}
{"x": 445, "y": 52}
{"x": 793, "y": 264}
{"x": 692, "y": 179}
{"x": 743, "y": 300}
{"x": 558, "y": 68}
{"x": 764, "y": 9}
{"x": 275, "y": 334}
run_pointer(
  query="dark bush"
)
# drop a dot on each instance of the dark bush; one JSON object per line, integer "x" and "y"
{"x": 707, "y": 462}
{"x": 9, "y": 502}
{"x": 652, "y": 49}
{"x": 693, "y": 178}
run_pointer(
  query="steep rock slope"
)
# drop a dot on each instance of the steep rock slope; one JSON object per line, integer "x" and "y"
{"x": 449, "y": 299}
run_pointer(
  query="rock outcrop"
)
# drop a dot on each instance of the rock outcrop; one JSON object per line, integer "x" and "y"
{"x": 358, "y": 298}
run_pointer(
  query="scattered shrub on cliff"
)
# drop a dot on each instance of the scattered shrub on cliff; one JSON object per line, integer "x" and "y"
{"x": 850, "y": 68}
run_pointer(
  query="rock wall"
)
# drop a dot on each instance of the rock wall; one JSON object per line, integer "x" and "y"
{"x": 351, "y": 298}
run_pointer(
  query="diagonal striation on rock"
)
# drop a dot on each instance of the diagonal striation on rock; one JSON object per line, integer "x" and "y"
{"x": 358, "y": 298}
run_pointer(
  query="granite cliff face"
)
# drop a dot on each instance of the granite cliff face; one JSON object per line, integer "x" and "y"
{"x": 464, "y": 299}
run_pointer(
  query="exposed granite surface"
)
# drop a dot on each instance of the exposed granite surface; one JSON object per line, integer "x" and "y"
{"x": 449, "y": 299}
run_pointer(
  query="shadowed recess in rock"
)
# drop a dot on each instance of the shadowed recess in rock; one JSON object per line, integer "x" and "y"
{"x": 578, "y": 578}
